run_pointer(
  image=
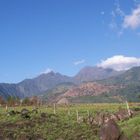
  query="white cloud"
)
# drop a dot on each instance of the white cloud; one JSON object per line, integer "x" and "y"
{"x": 118, "y": 9}
{"x": 133, "y": 20}
{"x": 48, "y": 70}
{"x": 117, "y": 14}
{"x": 113, "y": 25}
{"x": 120, "y": 62}
{"x": 79, "y": 62}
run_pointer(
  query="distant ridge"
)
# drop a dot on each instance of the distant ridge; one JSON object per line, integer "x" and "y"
{"x": 95, "y": 73}
{"x": 48, "y": 81}
{"x": 125, "y": 85}
{"x": 35, "y": 86}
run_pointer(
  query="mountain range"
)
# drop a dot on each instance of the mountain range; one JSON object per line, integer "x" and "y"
{"x": 116, "y": 87}
{"x": 95, "y": 82}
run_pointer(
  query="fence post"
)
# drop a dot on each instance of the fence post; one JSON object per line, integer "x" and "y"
{"x": 88, "y": 114}
{"x": 54, "y": 108}
{"x": 77, "y": 115}
{"x": 6, "y": 108}
{"x": 128, "y": 109}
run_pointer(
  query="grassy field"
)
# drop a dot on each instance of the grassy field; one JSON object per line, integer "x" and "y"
{"x": 63, "y": 125}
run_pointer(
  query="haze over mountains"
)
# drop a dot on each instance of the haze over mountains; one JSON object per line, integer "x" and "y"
{"x": 118, "y": 88}
{"x": 95, "y": 73}
{"x": 44, "y": 82}
{"x": 90, "y": 81}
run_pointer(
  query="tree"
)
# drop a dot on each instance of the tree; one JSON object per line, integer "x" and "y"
{"x": 17, "y": 101}
{"x": 13, "y": 101}
{"x": 34, "y": 100}
{"x": 26, "y": 101}
{"x": 2, "y": 101}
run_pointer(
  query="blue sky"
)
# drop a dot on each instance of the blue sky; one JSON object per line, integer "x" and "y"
{"x": 65, "y": 35}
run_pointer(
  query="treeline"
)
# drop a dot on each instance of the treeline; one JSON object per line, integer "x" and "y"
{"x": 15, "y": 101}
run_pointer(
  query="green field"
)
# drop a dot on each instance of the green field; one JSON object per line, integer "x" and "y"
{"x": 63, "y": 125}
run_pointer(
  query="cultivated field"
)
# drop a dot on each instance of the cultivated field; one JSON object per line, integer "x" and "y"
{"x": 73, "y": 122}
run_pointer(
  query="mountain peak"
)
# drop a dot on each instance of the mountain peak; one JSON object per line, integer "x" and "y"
{"x": 89, "y": 73}
{"x": 51, "y": 73}
{"x": 47, "y": 71}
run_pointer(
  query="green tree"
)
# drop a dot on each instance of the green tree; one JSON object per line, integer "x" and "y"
{"x": 2, "y": 101}
{"x": 26, "y": 101}
{"x": 11, "y": 101}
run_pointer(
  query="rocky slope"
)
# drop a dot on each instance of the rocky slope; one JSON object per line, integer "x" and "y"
{"x": 113, "y": 89}
{"x": 89, "y": 89}
{"x": 109, "y": 83}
